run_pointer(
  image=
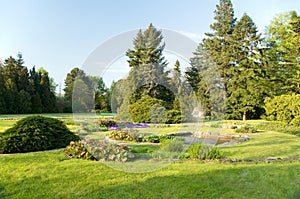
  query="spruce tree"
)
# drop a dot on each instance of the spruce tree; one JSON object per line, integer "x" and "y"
{"x": 245, "y": 91}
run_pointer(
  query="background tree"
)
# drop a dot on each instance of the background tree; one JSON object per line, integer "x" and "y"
{"x": 72, "y": 76}
{"x": 283, "y": 53}
{"x": 101, "y": 94}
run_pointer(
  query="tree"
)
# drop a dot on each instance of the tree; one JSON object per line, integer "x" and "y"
{"x": 35, "y": 90}
{"x": 10, "y": 81}
{"x": 2, "y": 91}
{"x": 48, "y": 99}
{"x": 101, "y": 94}
{"x": 72, "y": 76}
{"x": 148, "y": 75}
{"x": 214, "y": 62}
{"x": 283, "y": 53}
{"x": 245, "y": 89}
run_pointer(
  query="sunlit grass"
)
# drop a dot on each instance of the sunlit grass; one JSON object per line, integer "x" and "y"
{"x": 50, "y": 175}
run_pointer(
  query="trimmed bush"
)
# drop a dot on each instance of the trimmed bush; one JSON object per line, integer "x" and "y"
{"x": 36, "y": 133}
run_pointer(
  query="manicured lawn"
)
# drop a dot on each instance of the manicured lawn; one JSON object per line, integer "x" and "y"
{"x": 51, "y": 175}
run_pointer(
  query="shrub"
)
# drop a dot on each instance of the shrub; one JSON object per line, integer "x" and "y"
{"x": 283, "y": 108}
{"x": 246, "y": 129}
{"x": 36, "y": 133}
{"x": 124, "y": 134}
{"x": 78, "y": 150}
{"x": 97, "y": 150}
{"x": 107, "y": 151}
{"x": 174, "y": 117}
{"x": 106, "y": 122}
{"x": 139, "y": 111}
{"x": 203, "y": 152}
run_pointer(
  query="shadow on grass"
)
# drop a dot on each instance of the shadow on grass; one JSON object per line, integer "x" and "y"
{"x": 253, "y": 182}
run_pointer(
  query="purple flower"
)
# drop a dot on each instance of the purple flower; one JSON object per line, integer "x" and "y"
{"x": 113, "y": 128}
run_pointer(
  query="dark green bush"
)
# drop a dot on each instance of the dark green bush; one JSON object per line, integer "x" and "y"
{"x": 78, "y": 150}
{"x": 36, "y": 133}
{"x": 124, "y": 134}
{"x": 203, "y": 152}
{"x": 140, "y": 110}
{"x": 246, "y": 129}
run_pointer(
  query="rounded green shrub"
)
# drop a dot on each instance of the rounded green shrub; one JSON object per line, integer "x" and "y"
{"x": 140, "y": 110}
{"x": 36, "y": 133}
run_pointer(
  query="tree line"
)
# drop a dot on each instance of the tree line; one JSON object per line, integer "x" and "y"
{"x": 233, "y": 71}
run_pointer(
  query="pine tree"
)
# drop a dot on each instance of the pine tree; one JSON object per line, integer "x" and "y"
{"x": 218, "y": 44}
{"x": 148, "y": 75}
{"x": 245, "y": 89}
{"x": 2, "y": 91}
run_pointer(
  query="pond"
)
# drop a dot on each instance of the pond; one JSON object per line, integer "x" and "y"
{"x": 211, "y": 138}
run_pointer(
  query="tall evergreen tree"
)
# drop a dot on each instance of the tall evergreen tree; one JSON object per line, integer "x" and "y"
{"x": 11, "y": 84}
{"x": 2, "y": 91}
{"x": 148, "y": 73}
{"x": 245, "y": 89}
{"x": 48, "y": 99}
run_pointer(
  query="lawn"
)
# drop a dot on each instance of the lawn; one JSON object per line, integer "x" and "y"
{"x": 51, "y": 175}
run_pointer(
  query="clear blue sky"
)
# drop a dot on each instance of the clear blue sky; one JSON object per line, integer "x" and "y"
{"x": 58, "y": 35}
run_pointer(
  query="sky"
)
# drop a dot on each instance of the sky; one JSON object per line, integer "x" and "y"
{"x": 59, "y": 35}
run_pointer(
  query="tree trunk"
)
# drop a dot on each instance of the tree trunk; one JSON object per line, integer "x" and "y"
{"x": 244, "y": 116}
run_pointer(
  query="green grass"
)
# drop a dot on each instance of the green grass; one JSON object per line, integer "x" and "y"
{"x": 50, "y": 175}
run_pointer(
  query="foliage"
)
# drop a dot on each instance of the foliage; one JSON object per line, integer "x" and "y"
{"x": 124, "y": 134}
{"x": 139, "y": 111}
{"x": 36, "y": 133}
{"x": 107, "y": 151}
{"x": 246, "y": 129}
{"x": 97, "y": 150}
{"x": 23, "y": 91}
{"x": 284, "y": 108}
{"x": 157, "y": 138}
{"x": 203, "y": 152}
{"x": 106, "y": 122}
{"x": 282, "y": 38}
{"x": 174, "y": 117}
{"x": 279, "y": 127}
{"x": 172, "y": 145}
{"x": 78, "y": 150}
